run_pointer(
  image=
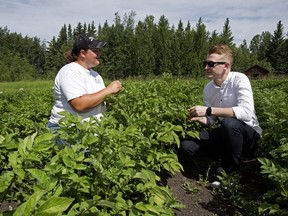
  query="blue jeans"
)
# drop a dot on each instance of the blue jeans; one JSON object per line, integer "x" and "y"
{"x": 52, "y": 127}
{"x": 231, "y": 139}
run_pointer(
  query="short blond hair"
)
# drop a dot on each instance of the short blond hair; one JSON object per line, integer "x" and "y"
{"x": 222, "y": 50}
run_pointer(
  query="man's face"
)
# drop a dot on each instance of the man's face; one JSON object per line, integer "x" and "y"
{"x": 216, "y": 66}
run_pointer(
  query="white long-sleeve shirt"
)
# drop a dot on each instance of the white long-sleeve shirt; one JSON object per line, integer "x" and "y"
{"x": 235, "y": 92}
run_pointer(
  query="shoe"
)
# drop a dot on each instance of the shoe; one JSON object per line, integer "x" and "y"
{"x": 215, "y": 184}
{"x": 228, "y": 169}
{"x": 220, "y": 170}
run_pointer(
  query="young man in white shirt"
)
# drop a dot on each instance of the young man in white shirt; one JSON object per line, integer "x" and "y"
{"x": 228, "y": 97}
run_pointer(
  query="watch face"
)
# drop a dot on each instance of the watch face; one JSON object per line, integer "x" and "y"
{"x": 208, "y": 111}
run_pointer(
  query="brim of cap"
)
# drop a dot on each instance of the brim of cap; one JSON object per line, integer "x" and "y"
{"x": 97, "y": 45}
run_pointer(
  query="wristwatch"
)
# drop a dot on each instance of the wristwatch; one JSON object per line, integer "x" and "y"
{"x": 208, "y": 111}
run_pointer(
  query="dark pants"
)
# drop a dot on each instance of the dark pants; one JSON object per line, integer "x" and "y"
{"x": 231, "y": 139}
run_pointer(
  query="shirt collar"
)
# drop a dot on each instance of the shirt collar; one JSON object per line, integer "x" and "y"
{"x": 225, "y": 81}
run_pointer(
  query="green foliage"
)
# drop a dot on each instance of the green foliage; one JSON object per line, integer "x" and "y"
{"x": 110, "y": 167}
{"x": 277, "y": 50}
{"x": 21, "y": 58}
{"x": 276, "y": 170}
{"x": 147, "y": 48}
{"x": 9, "y": 71}
{"x": 270, "y": 102}
{"x": 25, "y": 107}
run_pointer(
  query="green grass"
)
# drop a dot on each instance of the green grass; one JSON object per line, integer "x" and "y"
{"x": 25, "y": 85}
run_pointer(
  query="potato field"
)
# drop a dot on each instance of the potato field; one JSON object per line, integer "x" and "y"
{"x": 134, "y": 143}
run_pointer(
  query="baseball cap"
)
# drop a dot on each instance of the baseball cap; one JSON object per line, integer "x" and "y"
{"x": 86, "y": 42}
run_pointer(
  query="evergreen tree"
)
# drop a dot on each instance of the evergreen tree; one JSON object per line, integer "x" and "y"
{"x": 78, "y": 30}
{"x": 162, "y": 43}
{"x": 259, "y": 45}
{"x": 147, "y": 49}
{"x": 243, "y": 59}
{"x": 226, "y": 35}
{"x": 116, "y": 52}
{"x": 92, "y": 28}
{"x": 84, "y": 29}
{"x": 144, "y": 51}
{"x": 200, "y": 46}
{"x": 277, "y": 49}
{"x": 214, "y": 38}
{"x": 285, "y": 57}
{"x": 188, "y": 48}
{"x": 128, "y": 46}
{"x": 103, "y": 35}
{"x": 69, "y": 33}
{"x": 178, "y": 50}
{"x": 63, "y": 36}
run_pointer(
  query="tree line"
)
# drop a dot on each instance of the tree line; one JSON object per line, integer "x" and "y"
{"x": 148, "y": 48}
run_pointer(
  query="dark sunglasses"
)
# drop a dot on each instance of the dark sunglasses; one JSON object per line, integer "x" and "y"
{"x": 212, "y": 64}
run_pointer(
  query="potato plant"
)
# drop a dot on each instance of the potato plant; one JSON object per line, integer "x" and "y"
{"x": 113, "y": 167}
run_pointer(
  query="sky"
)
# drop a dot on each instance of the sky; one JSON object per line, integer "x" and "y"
{"x": 45, "y": 18}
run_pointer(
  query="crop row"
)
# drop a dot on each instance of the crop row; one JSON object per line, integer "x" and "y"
{"x": 134, "y": 142}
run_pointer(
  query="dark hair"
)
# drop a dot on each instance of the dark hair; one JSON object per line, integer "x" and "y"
{"x": 70, "y": 57}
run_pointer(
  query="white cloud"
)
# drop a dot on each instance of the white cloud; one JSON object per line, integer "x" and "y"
{"x": 44, "y": 18}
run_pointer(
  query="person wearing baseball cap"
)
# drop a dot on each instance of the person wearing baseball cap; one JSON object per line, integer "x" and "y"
{"x": 78, "y": 88}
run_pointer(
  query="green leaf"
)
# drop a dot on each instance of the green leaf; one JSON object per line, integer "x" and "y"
{"x": 54, "y": 206}
{"x": 89, "y": 139}
{"x": 20, "y": 173}
{"x": 33, "y": 157}
{"x": 67, "y": 161}
{"x": 26, "y": 208}
{"x": 5, "y": 180}
{"x": 44, "y": 138}
{"x": 39, "y": 175}
{"x": 13, "y": 162}
{"x": 141, "y": 206}
{"x": 152, "y": 209}
{"x": 105, "y": 203}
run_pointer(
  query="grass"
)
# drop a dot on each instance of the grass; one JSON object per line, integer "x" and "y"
{"x": 25, "y": 85}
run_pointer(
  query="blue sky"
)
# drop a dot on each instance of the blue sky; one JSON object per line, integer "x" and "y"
{"x": 44, "y": 18}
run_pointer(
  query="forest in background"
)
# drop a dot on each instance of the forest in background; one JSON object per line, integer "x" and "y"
{"x": 143, "y": 49}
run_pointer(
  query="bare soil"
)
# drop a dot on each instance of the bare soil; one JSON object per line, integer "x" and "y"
{"x": 205, "y": 201}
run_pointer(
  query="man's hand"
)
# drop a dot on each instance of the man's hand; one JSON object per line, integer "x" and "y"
{"x": 197, "y": 111}
{"x": 202, "y": 120}
{"x": 198, "y": 114}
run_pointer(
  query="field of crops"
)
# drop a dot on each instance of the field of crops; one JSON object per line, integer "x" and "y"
{"x": 135, "y": 141}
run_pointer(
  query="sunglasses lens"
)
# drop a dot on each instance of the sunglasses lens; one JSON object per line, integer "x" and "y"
{"x": 210, "y": 64}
